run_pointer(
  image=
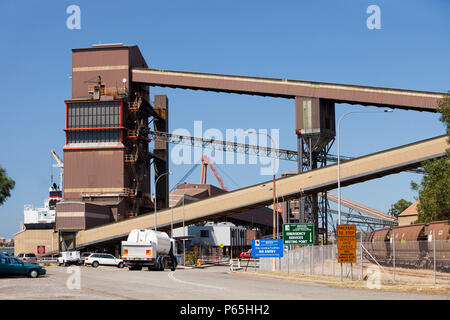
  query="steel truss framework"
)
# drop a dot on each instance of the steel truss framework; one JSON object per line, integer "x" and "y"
{"x": 314, "y": 208}
{"x": 230, "y": 146}
{"x": 363, "y": 220}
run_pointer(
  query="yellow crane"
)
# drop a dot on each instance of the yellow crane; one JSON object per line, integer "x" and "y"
{"x": 60, "y": 165}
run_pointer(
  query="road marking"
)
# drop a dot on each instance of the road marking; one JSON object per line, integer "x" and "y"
{"x": 171, "y": 276}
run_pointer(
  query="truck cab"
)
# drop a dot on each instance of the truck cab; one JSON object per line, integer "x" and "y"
{"x": 68, "y": 258}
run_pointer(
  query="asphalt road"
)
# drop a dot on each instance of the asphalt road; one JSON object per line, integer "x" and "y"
{"x": 183, "y": 284}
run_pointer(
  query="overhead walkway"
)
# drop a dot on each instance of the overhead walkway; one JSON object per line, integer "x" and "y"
{"x": 354, "y": 171}
{"x": 284, "y": 88}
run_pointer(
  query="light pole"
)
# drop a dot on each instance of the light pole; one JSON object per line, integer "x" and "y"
{"x": 184, "y": 233}
{"x": 339, "y": 158}
{"x": 169, "y": 172}
{"x": 278, "y": 228}
{"x": 273, "y": 187}
{"x": 278, "y": 214}
{"x": 171, "y": 221}
{"x": 283, "y": 211}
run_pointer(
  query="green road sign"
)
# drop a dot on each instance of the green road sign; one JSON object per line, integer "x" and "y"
{"x": 298, "y": 233}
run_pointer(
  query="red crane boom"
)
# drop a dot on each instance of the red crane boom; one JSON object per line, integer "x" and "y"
{"x": 205, "y": 163}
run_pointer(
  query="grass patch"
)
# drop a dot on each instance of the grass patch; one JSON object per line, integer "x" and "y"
{"x": 357, "y": 284}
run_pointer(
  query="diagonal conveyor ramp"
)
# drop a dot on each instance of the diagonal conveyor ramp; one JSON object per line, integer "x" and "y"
{"x": 353, "y": 171}
{"x": 374, "y": 213}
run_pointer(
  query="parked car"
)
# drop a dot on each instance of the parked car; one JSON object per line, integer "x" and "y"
{"x": 29, "y": 258}
{"x": 104, "y": 259}
{"x": 247, "y": 254}
{"x": 83, "y": 257}
{"x": 10, "y": 266}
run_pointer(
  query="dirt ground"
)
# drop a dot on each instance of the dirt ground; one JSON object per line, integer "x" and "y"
{"x": 398, "y": 286}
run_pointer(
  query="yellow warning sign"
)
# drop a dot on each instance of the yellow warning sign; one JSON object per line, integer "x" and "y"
{"x": 346, "y": 243}
{"x": 346, "y": 256}
{"x": 346, "y": 230}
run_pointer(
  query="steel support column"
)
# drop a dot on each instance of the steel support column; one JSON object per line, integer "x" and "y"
{"x": 315, "y": 129}
{"x": 161, "y": 151}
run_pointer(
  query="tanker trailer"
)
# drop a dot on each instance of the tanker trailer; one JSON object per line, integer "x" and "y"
{"x": 149, "y": 248}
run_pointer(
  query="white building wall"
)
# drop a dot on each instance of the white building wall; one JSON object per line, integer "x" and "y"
{"x": 38, "y": 215}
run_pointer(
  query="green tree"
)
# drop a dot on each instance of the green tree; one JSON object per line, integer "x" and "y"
{"x": 6, "y": 185}
{"x": 399, "y": 207}
{"x": 434, "y": 190}
{"x": 444, "y": 109}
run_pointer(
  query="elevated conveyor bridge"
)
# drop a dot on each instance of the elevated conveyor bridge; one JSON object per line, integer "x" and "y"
{"x": 353, "y": 171}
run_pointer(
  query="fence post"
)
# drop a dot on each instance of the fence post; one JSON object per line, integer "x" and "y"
{"x": 304, "y": 258}
{"x": 288, "y": 257}
{"x": 393, "y": 251}
{"x": 351, "y": 271}
{"x": 361, "y": 257}
{"x": 434, "y": 255}
{"x": 340, "y": 266}
{"x": 333, "y": 255}
{"x": 322, "y": 258}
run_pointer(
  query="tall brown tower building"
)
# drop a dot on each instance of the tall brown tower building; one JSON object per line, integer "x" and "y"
{"x": 106, "y": 154}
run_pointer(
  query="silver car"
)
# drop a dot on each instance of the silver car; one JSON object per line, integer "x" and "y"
{"x": 29, "y": 258}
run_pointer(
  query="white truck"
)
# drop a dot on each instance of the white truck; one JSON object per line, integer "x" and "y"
{"x": 149, "y": 248}
{"x": 68, "y": 258}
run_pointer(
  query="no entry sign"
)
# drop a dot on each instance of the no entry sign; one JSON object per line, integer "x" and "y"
{"x": 267, "y": 248}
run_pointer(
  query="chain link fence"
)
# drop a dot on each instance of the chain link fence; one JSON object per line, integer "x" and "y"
{"x": 425, "y": 262}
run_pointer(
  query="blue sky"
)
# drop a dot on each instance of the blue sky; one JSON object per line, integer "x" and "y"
{"x": 307, "y": 40}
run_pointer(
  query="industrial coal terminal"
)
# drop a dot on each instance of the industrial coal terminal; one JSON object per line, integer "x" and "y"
{"x": 106, "y": 187}
{"x": 230, "y": 158}
{"x": 115, "y": 221}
